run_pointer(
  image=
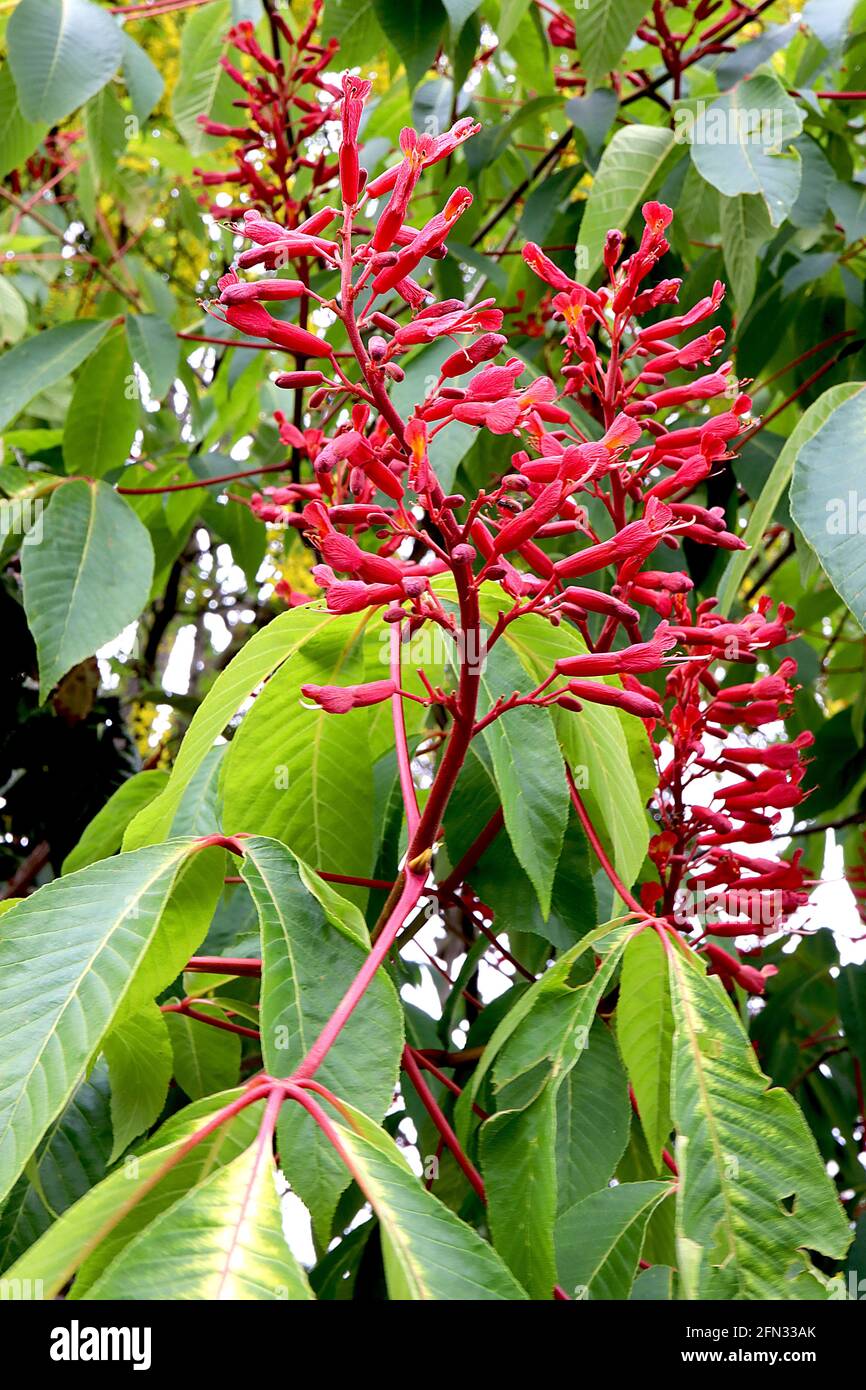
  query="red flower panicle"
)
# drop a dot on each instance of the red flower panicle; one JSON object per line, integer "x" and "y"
{"x": 581, "y": 529}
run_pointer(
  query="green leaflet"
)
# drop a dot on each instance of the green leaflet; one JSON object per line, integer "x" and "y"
{"x": 82, "y": 953}
{"x": 746, "y": 146}
{"x": 625, "y": 174}
{"x": 138, "y": 1053}
{"x": 745, "y": 230}
{"x": 825, "y": 501}
{"x": 91, "y": 1233}
{"x": 644, "y": 1029}
{"x": 429, "y": 1252}
{"x": 38, "y": 362}
{"x": 780, "y": 476}
{"x": 72, "y": 1158}
{"x": 313, "y": 944}
{"x": 104, "y": 834}
{"x": 104, "y": 410}
{"x": 300, "y": 774}
{"x": 88, "y": 579}
{"x": 204, "y": 1059}
{"x": 535, "y": 1052}
{"x": 201, "y": 87}
{"x": 593, "y": 1118}
{"x": 752, "y": 1196}
{"x": 595, "y": 743}
{"x": 599, "y": 1240}
{"x": 603, "y": 33}
{"x": 527, "y": 766}
{"x": 154, "y": 345}
{"x": 60, "y": 53}
{"x": 254, "y": 663}
{"x": 222, "y": 1240}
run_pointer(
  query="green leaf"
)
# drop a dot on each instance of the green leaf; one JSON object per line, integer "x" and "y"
{"x": 88, "y": 579}
{"x": 104, "y": 834}
{"x": 753, "y": 1195}
{"x": 742, "y": 144}
{"x": 91, "y": 1233}
{"x": 105, "y": 125}
{"x": 144, "y": 82}
{"x": 826, "y": 503}
{"x": 256, "y": 661}
{"x": 604, "y": 30}
{"x": 37, "y": 363}
{"x": 18, "y": 137}
{"x": 198, "y": 89}
{"x": 848, "y": 205}
{"x": 313, "y": 944}
{"x": 155, "y": 347}
{"x": 625, "y": 174}
{"x": 518, "y": 1143}
{"x": 593, "y": 1118}
{"x": 13, "y": 313}
{"x": 222, "y": 1240}
{"x": 775, "y": 486}
{"x": 61, "y": 52}
{"x": 595, "y": 744}
{"x": 206, "y": 1059}
{"x": 599, "y": 1240}
{"x": 511, "y": 12}
{"x": 745, "y": 231}
{"x": 79, "y": 954}
{"x": 354, "y": 23}
{"x": 429, "y": 1252}
{"x": 104, "y": 411}
{"x": 518, "y": 1159}
{"x": 527, "y": 766}
{"x": 300, "y": 774}
{"x": 71, "y": 1159}
{"x": 458, "y": 12}
{"x": 851, "y": 989}
{"x": 138, "y": 1053}
{"x": 415, "y": 28}
{"x": 644, "y": 1030}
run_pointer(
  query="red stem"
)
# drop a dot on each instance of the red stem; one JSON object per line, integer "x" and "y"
{"x": 600, "y": 851}
{"x": 428, "y": 1100}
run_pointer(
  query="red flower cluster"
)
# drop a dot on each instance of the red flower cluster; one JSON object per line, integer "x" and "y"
{"x": 574, "y": 531}
{"x": 716, "y": 796}
{"x": 286, "y": 100}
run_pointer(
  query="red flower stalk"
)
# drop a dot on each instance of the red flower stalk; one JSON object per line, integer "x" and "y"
{"x": 286, "y": 99}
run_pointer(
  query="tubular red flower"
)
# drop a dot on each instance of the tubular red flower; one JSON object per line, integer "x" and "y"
{"x": 339, "y": 699}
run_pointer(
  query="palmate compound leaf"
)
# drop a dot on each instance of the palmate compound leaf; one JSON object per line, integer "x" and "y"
{"x": 531, "y": 1055}
{"x": 80, "y": 955}
{"x": 429, "y": 1253}
{"x": 313, "y": 943}
{"x": 222, "y": 1240}
{"x": 752, "y": 1196}
{"x": 91, "y": 1234}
